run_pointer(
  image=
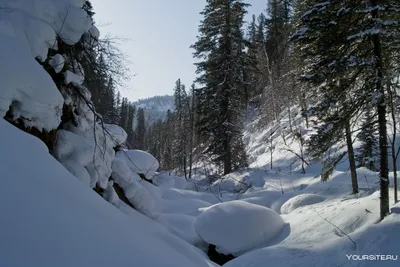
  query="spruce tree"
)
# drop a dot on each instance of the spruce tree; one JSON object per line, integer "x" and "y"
{"x": 220, "y": 49}
{"x": 181, "y": 127}
{"x": 140, "y": 130}
{"x": 344, "y": 43}
{"x": 367, "y": 156}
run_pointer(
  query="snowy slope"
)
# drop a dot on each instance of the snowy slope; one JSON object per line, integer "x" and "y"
{"x": 49, "y": 218}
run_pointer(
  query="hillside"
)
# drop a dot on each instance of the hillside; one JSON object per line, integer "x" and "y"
{"x": 155, "y": 108}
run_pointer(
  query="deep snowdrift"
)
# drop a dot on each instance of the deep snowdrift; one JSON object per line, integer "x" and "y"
{"x": 50, "y": 219}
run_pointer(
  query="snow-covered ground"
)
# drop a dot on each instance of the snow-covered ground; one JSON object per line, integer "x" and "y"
{"x": 49, "y": 218}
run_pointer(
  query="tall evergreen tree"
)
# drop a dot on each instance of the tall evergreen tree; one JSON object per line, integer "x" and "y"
{"x": 367, "y": 156}
{"x": 140, "y": 130}
{"x": 343, "y": 44}
{"x": 220, "y": 47}
{"x": 181, "y": 127}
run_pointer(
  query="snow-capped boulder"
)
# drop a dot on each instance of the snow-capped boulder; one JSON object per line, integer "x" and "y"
{"x": 235, "y": 227}
{"x": 139, "y": 161}
{"x": 300, "y": 201}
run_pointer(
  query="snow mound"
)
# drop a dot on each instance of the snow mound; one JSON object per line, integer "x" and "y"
{"x": 27, "y": 88}
{"x": 139, "y": 161}
{"x": 88, "y": 161}
{"x": 117, "y": 133}
{"x": 236, "y": 227}
{"x": 140, "y": 198}
{"x": 300, "y": 201}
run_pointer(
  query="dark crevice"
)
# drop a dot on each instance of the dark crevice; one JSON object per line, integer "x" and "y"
{"x": 218, "y": 258}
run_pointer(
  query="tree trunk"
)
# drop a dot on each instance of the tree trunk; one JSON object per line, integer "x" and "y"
{"x": 272, "y": 151}
{"x": 352, "y": 161}
{"x": 228, "y": 157}
{"x": 381, "y": 108}
{"x": 185, "y": 167}
{"x": 393, "y": 143}
{"x": 192, "y": 122}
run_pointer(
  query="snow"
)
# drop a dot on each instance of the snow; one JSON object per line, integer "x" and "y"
{"x": 27, "y": 87}
{"x": 110, "y": 195}
{"x": 300, "y": 201}
{"x": 140, "y": 198}
{"x": 236, "y": 227}
{"x": 183, "y": 226}
{"x": 164, "y": 180}
{"x": 121, "y": 174}
{"x": 37, "y": 22}
{"x": 139, "y": 162}
{"x": 57, "y": 62}
{"x": 50, "y": 218}
{"x": 74, "y": 78}
{"x": 117, "y": 133}
{"x": 28, "y": 29}
{"x": 94, "y": 32}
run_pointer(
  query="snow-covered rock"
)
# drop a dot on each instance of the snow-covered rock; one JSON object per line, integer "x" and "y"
{"x": 139, "y": 161}
{"x": 27, "y": 87}
{"x": 300, "y": 201}
{"x": 236, "y": 227}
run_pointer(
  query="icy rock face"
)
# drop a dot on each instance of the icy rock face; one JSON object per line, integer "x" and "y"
{"x": 235, "y": 227}
{"x": 300, "y": 201}
{"x": 139, "y": 162}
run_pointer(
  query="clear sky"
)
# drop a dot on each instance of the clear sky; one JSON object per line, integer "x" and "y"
{"x": 159, "y": 34}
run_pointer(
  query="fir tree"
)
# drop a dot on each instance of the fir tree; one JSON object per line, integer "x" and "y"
{"x": 140, "y": 130}
{"x": 220, "y": 47}
{"x": 367, "y": 156}
{"x": 343, "y": 44}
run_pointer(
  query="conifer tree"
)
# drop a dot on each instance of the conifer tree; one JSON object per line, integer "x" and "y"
{"x": 220, "y": 47}
{"x": 343, "y": 44}
{"x": 140, "y": 130}
{"x": 367, "y": 156}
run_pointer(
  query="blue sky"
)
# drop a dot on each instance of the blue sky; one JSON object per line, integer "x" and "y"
{"x": 159, "y": 34}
